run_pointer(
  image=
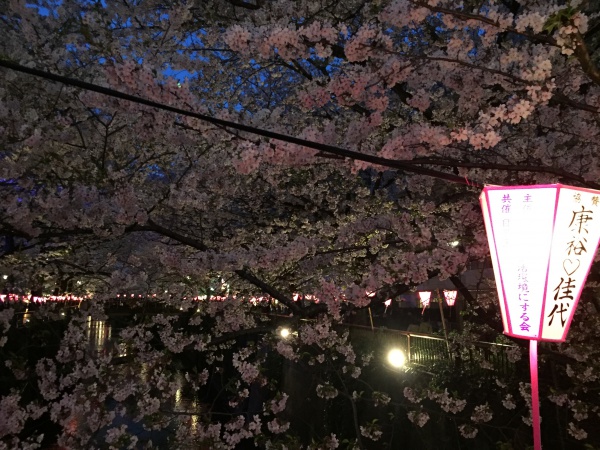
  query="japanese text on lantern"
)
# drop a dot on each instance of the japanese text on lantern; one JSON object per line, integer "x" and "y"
{"x": 523, "y": 290}
{"x": 506, "y": 201}
{"x": 523, "y": 278}
{"x": 516, "y": 209}
{"x": 576, "y": 246}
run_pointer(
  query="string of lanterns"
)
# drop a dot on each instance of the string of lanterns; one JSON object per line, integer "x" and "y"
{"x": 255, "y": 300}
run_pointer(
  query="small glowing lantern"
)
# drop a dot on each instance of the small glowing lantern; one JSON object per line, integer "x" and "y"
{"x": 387, "y": 304}
{"x": 542, "y": 240}
{"x": 450, "y": 297}
{"x": 425, "y": 297}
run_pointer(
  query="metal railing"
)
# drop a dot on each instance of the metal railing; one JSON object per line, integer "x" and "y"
{"x": 420, "y": 348}
{"x": 424, "y": 350}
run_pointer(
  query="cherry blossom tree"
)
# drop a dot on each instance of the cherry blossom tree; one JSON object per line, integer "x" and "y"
{"x": 411, "y": 107}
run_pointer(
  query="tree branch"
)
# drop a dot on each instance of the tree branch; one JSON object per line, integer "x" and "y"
{"x": 236, "y": 334}
{"x": 246, "y": 5}
{"x": 585, "y": 60}
{"x": 242, "y": 273}
{"x": 466, "y": 16}
{"x": 325, "y": 148}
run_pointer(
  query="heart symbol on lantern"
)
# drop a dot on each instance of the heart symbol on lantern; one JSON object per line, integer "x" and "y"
{"x": 571, "y": 266}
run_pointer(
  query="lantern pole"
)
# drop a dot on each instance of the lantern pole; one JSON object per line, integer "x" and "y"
{"x": 444, "y": 325}
{"x": 535, "y": 401}
{"x": 371, "y": 294}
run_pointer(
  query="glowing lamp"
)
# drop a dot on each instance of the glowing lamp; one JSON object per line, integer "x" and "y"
{"x": 284, "y": 332}
{"x": 396, "y": 358}
{"x": 425, "y": 297}
{"x": 387, "y": 304}
{"x": 450, "y": 297}
{"x": 542, "y": 240}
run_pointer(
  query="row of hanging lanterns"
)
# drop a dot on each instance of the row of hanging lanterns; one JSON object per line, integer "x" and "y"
{"x": 425, "y": 297}
{"x": 19, "y": 298}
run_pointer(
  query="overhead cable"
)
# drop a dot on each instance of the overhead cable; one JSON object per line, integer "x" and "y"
{"x": 328, "y": 149}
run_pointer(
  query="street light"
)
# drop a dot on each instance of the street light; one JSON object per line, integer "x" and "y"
{"x": 542, "y": 240}
{"x": 284, "y": 332}
{"x": 396, "y": 358}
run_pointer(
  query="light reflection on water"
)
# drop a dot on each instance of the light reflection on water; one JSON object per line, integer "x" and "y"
{"x": 99, "y": 336}
{"x": 185, "y": 402}
{"x": 101, "y": 339}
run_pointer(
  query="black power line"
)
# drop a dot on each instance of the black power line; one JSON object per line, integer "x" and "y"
{"x": 330, "y": 149}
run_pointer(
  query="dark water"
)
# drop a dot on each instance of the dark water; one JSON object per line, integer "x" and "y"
{"x": 102, "y": 337}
